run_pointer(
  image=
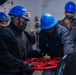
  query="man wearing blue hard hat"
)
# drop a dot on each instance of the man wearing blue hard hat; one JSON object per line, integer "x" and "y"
{"x": 54, "y": 39}
{"x": 69, "y": 21}
{"x": 3, "y": 19}
{"x": 14, "y": 45}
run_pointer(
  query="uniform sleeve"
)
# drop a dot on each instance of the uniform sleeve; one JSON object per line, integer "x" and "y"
{"x": 68, "y": 45}
{"x": 30, "y": 38}
{"x": 42, "y": 44}
{"x": 29, "y": 47}
{"x": 5, "y": 57}
{"x": 73, "y": 33}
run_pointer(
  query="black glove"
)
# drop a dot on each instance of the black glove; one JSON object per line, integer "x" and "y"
{"x": 27, "y": 68}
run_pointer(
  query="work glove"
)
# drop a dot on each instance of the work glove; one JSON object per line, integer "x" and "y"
{"x": 27, "y": 68}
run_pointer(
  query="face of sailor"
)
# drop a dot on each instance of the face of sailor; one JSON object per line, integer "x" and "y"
{"x": 3, "y": 24}
{"x": 21, "y": 23}
{"x": 50, "y": 31}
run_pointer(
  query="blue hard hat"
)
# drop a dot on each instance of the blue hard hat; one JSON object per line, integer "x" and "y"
{"x": 19, "y": 11}
{"x": 70, "y": 7}
{"x": 47, "y": 21}
{"x": 3, "y": 17}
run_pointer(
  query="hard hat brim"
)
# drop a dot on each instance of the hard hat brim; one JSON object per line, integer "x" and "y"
{"x": 26, "y": 18}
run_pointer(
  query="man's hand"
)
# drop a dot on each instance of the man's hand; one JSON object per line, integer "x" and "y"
{"x": 27, "y": 68}
{"x": 31, "y": 31}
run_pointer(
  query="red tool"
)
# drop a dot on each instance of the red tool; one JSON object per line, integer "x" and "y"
{"x": 40, "y": 64}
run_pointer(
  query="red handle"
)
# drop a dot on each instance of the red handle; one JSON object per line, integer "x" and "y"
{"x": 40, "y": 64}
